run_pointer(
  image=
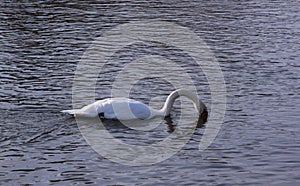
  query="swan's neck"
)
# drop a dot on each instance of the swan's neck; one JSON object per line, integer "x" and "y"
{"x": 199, "y": 105}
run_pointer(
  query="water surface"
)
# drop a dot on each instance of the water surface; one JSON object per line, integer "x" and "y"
{"x": 256, "y": 45}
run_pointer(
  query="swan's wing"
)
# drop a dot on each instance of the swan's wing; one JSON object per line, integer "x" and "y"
{"x": 124, "y": 109}
{"x": 139, "y": 110}
{"x": 112, "y": 108}
{"x": 115, "y": 108}
{"x": 99, "y": 105}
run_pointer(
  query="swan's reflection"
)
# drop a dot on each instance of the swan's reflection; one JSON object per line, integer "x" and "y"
{"x": 144, "y": 124}
{"x": 116, "y": 125}
{"x": 107, "y": 133}
{"x": 171, "y": 126}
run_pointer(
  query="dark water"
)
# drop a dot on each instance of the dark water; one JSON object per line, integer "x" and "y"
{"x": 255, "y": 43}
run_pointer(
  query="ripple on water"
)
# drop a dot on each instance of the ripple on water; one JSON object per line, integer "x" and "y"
{"x": 256, "y": 45}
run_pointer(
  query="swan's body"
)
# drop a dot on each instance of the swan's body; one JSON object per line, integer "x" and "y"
{"x": 116, "y": 108}
{"x": 127, "y": 109}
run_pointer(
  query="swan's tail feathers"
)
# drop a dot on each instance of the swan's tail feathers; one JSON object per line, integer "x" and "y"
{"x": 72, "y": 112}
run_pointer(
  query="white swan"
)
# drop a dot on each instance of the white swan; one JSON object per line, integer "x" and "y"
{"x": 128, "y": 109}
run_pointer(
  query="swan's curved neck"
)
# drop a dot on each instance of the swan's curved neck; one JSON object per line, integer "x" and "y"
{"x": 199, "y": 105}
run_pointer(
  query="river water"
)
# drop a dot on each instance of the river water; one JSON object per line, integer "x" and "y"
{"x": 255, "y": 43}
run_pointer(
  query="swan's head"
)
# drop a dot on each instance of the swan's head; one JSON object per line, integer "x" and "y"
{"x": 202, "y": 118}
{"x": 204, "y": 115}
{"x": 203, "y": 112}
